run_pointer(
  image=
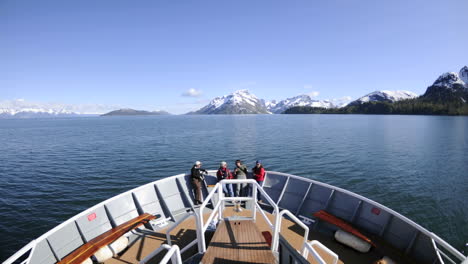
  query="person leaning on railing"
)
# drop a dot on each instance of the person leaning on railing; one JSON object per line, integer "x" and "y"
{"x": 240, "y": 173}
{"x": 224, "y": 173}
{"x": 259, "y": 176}
{"x": 197, "y": 178}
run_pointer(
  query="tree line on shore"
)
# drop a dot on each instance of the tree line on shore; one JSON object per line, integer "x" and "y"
{"x": 417, "y": 106}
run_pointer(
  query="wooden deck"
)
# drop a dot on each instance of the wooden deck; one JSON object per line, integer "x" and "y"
{"x": 238, "y": 241}
{"x": 185, "y": 233}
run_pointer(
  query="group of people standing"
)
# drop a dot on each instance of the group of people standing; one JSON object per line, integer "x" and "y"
{"x": 232, "y": 190}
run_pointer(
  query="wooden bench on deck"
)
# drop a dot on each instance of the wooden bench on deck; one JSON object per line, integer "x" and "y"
{"x": 89, "y": 249}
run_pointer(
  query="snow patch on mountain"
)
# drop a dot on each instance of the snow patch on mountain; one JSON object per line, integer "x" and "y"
{"x": 450, "y": 86}
{"x": 463, "y": 75}
{"x": 385, "y": 96}
{"x": 35, "y": 111}
{"x": 300, "y": 100}
{"x": 24, "y": 109}
{"x": 449, "y": 79}
{"x": 239, "y": 102}
{"x": 271, "y": 104}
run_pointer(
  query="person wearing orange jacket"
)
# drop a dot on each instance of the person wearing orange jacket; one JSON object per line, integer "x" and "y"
{"x": 259, "y": 176}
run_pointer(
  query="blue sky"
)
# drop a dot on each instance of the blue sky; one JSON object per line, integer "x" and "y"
{"x": 146, "y": 54}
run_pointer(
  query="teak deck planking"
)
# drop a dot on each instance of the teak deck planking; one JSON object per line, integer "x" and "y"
{"x": 238, "y": 241}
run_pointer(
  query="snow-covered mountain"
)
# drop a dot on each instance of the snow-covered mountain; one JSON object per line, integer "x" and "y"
{"x": 300, "y": 100}
{"x": 32, "y": 111}
{"x": 29, "y": 113}
{"x": 21, "y": 108}
{"x": 463, "y": 74}
{"x": 449, "y": 80}
{"x": 239, "y": 102}
{"x": 450, "y": 86}
{"x": 384, "y": 96}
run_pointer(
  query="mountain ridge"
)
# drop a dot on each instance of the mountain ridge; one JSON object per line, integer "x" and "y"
{"x": 384, "y": 96}
{"x": 299, "y": 100}
{"x": 244, "y": 102}
{"x": 448, "y": 95}
{"x": 448, "y": 88}
{"x": 238, "y": 102}
{"x": 133, "y": 112}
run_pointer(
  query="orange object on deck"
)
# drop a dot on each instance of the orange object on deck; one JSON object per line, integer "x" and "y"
{"x": 327, "y": 217}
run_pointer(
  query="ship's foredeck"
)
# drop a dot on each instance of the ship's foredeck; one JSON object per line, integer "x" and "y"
{"x": 186, "y": 232}
{"x": 289, "y": 198}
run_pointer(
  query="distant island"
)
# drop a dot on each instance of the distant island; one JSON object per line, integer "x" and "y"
{"x": 133, "y": 112}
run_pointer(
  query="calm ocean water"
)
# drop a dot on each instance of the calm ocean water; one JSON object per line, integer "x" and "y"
{"x": 51, "y": 169}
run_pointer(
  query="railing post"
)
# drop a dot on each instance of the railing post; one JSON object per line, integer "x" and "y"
{"x": 200, "y": 235}
{"x": 220, "y": 200}
{"x": 21, "y": 252}
{"x": 274, "y": 245}
{"x": 254, "y": 204}
{"x": 295, "y": 219}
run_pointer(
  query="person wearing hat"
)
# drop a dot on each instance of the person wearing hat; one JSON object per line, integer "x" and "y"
{"x": 197, "y": 178}
{"x": 259, "y": 176}
{"x": 240, "y": 173}
{"x": 224, "y": 173}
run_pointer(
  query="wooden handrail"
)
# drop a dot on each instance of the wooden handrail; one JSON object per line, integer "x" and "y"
{"x": 88, "y": 249}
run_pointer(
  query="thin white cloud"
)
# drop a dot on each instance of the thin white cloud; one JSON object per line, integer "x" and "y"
{"x": 313, "y": 94}
{"x": 192, "y": 92}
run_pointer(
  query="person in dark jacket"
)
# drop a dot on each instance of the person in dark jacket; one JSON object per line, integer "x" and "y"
{"x": 240, "y": 173}
{"x": 259, "y": 176}
{"x": 197, "y": 178}
{"x": 224, "y": 173}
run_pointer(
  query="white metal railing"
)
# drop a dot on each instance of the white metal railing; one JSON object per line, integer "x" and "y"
{"x": 177, "y": 223}
{"x": 441, "y": 255}
{"x": 439, "y": 241}
{"x": 172, "y": 254}
{"x": 220, "y": 205}
{"x": 279, "y": 218}
{"x": 308, "y": 248}
{"x": 21, "y": 252}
